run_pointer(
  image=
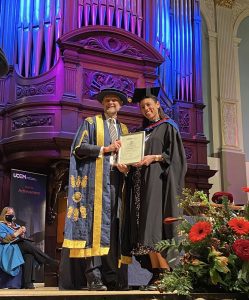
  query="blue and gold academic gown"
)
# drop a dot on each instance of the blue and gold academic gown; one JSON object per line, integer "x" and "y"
{"x": 88, "y": 218}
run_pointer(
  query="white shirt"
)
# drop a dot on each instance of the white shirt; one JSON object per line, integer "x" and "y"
{"x": 101, "y": 149}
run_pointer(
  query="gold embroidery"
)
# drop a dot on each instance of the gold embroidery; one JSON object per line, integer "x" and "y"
{"x": 78, "y": 181}
{"x": 84, "y": 134}
{"x": 73, "y": 244}
{"x": 88, "y": 252}
{"x": 77, "y": 196}
{"x": 84, "y": 181}
{"x": 72, "y": 180}
{"x": 76, "y": 214}
{"x": 89, "y": 120}
{"x": 124, "y": 128}
{"x": 97, "y": 222}
{"x": 83, "y": 211}
{"x": 126, "y": 260}
{"x": 69, "y": 212}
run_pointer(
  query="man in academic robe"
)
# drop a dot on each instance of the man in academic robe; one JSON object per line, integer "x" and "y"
{"x": 94, "y": 196}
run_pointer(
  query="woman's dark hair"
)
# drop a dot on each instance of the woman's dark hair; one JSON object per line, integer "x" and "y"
{"x": 161, "y": 113}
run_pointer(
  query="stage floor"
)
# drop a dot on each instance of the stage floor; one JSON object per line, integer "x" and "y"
{"x": 46, "y": 293}
{"x": 54, "y": 293}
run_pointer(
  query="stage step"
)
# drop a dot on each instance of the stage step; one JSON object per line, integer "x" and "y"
{"x": 53, "y": 293}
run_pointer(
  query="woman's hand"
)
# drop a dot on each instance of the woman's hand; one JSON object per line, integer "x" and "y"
{"x": 123, "y": 168}
{"x": 23, "y": 229}
{"x": 146, "y": 161}
{"x": 19, "y": 231}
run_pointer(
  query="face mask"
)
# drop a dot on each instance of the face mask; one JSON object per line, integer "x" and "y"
{"x": 9, "y": 218}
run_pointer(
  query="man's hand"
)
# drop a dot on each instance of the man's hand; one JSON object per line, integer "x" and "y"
{"x": 123, "y": 168}
{"x": 114, "y": 147}
{"x": 146, "y": 161}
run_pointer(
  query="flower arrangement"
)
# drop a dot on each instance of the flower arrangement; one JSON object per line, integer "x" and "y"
{"x": 213, "y": 247}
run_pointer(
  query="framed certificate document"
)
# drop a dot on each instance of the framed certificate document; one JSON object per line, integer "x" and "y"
{"x": 132, "y": 148}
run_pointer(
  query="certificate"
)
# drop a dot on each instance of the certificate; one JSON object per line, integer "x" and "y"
{"x": 132, "y": 148}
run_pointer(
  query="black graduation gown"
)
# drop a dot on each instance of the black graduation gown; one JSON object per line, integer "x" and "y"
{"x": 154, "y": 188}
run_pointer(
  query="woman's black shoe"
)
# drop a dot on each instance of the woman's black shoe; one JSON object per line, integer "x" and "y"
{"x": 152, "y": 287}
{"x": 149, "y": 287}
{"x": 29, "y": 286}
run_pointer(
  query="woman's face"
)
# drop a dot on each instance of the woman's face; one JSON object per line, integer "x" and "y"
{"x": 10, "y": 213}
{"x": 149, "y": 109}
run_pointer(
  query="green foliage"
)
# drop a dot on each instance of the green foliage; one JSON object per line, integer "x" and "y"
{"x": 177, "y": 282}
{"x": 167, "y": 245}
{"x": 246, "y": 212}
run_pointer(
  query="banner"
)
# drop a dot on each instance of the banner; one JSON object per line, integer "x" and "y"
{"x": 28, "y": 198}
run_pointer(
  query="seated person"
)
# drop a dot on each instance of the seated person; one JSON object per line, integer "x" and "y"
{"x": 14, "y": 234}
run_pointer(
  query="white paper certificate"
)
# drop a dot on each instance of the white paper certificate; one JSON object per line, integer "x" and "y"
{"x": 132, "y": 148}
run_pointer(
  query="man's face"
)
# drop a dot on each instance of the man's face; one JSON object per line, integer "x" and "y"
{"x": 112, "y": 105}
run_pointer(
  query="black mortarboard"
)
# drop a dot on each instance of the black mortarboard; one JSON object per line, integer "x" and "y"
{"x": 3, "y": 64}
{"x": 111, "y": 91}
{"x": 141, "y": 93}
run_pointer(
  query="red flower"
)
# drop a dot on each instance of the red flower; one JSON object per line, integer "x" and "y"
{"x": 241, "y": 249}
{"x": 239, "y": 225}
{"x": 199, "y": 231}
{"x": 245, "y": 189}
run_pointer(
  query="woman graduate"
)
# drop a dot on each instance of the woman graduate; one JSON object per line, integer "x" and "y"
{"x": 155, "y": 181}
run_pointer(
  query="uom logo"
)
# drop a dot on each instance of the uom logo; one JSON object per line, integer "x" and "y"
{"x": 19, "y": 175}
